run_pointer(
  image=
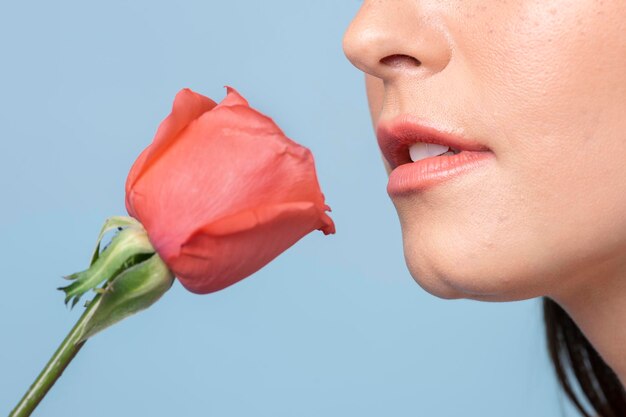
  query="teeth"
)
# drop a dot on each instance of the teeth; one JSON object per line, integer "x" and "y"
{"x": 422, "y": 150}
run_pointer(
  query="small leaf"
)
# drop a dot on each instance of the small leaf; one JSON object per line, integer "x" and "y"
{"x": 127, "y": 248}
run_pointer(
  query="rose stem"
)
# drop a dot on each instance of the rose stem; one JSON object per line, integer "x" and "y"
{"x": 56, "y": 365}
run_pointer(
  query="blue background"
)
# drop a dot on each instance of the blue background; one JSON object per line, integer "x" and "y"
{"x": 335, "y": 326}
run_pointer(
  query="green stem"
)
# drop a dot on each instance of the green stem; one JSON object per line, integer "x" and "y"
{"x": 56, "y": 365}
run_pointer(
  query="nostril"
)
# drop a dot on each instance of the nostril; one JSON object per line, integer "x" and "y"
{"x": 400, "y": 60}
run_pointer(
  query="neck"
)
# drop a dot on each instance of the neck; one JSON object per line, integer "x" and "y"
{"x": 597, "y": 304}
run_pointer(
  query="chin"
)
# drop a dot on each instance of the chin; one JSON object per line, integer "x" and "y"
{"x": 449, "y": 272}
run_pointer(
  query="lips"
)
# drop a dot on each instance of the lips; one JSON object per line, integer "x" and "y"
{"x": 396, "y": 135}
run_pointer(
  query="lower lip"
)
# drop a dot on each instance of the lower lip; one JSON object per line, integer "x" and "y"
{"x": 425, "y": 173}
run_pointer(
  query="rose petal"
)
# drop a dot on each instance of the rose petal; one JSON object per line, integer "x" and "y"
{"x": 230, "y": 249}
{"x": 188, "y": 106}
{"x": 233, "y": 98}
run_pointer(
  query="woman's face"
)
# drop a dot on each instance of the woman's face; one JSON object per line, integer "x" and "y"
{"x": 542, "y": 84}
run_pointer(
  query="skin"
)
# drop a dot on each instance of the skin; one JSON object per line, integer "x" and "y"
{"x": 542, "y": 83}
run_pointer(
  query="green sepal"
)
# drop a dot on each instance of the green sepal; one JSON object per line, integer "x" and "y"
{"x": 135, "y": 289}
{"x": 128, "y": 247}
{"x": 114, "y": 222}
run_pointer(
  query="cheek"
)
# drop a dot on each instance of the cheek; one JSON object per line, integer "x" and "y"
{"x": 547, "y": 74}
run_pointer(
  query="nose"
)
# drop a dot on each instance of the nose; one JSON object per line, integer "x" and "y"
{"x": 397, "y": 38}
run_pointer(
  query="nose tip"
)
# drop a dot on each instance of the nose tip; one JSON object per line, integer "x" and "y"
{"x": 393, "y": 39}
{"x": 354, "y": 48}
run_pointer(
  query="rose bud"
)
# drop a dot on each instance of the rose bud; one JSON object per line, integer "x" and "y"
{"x": 221, "y": 191}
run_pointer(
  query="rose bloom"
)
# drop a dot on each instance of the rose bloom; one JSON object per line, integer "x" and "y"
{"x": 221, "y": 191}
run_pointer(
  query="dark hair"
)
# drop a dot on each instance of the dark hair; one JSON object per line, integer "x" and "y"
{"x": 570, "y": 350}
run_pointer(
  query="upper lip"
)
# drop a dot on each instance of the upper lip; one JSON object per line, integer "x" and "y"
{"x": 396, "y": 135}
